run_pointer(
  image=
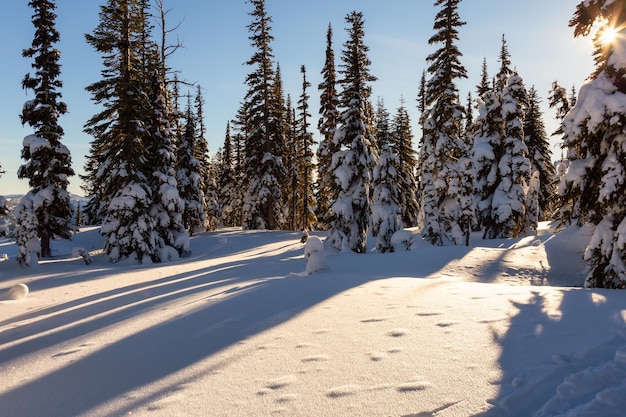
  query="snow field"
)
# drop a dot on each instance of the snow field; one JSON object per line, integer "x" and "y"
{"x": 238, "y": 329}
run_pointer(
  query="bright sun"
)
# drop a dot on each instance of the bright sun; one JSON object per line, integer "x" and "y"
{"x": 608, "y": 35}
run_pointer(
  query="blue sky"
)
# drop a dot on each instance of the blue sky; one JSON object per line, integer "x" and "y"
{"x": 216, "y": 46}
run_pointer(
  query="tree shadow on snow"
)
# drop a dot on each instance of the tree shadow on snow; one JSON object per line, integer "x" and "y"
{"x": 549, "y": 340}
{"x": 261, "y": 298}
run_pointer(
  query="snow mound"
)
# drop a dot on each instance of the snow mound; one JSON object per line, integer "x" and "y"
{"x": 17, "y": 292}
{"x": 313, "y": 244}
{"x": 315, "y": 256}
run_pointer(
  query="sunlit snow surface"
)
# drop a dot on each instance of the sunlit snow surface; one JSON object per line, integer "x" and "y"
{"x": 240, "y": 329}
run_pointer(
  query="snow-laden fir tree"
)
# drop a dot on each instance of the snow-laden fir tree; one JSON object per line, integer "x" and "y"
{"x": 386, "y": 216}
{"x": 306, "y": 166}
{"x": 402, "y": 145}
{"x": 382, "y": 123}
{"x": 47, "y": 160}
{"x": 327, "y": 124}
{"x": 594, "y": 128}
{"x": 445, "y": 193}
{"x": 209, "y": 170}
{"x": 291, "y": 165}
{"x": 188, "y": 175}
{"x": 509, "y": 200}
{"x": 118, "y": 174}
{"x": 536, "y": 140}
{"x": 168, "y": 206}
{"x": 265, "y": 141}
{"x": 353, "y": 161}
{"x": 28, "y": 243}
{"x": 227, "y": 183}
{"x": 422, "y": 108}
{"x": 502, "y": 169}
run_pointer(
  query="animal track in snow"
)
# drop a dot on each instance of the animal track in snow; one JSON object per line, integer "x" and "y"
{"x": 413, "y": 386}
{"x": 283, "y": 381}
{"x": 377, "y": 356}
{"x": 447, "y": 323}
{"x": 286, "y": 398}
{"x": 315, "y": 358}
{"x": 430, "y": 313}
{"x": 343, "y": 391}
{"x": 374, "y": 319}
{"x": 398, "y": 332}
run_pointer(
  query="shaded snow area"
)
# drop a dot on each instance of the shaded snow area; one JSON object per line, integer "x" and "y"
{"x": 246, "y": 327}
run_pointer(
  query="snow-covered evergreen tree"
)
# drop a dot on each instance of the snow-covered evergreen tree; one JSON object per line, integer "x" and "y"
{"x": 353, "y": 161}
{"x": 509, "y": 200}
{"x": 422, "y": 108}
{"x": 402, "y": 146}
{"x": 265, "y": 142}
{"x": 502, "y": 169}
{"x": 443, "y": 186}
{"x": 594, "y": 128}
{"x": 188, "y": 175}
{"x": 48, "y": 161}
{"x": 386, "y": 216}
{"x": 117, "y": 171}
{"x": 327, "y": 125}
{"x": 227, "y": 185}
{"x": 539, "y": 154}
{"x": 208, "y": 173}
{"x": 28, "y": 243}
{"x": 306, "y": 166}
{"x": 168, "y": 207}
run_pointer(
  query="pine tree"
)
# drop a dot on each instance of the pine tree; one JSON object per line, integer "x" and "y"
{"x": 227, "y": 185}
{"x": 509, "y": 200}
{"x": 167, "y": 206}
{"x": 446, "y": 153}
{"x": 265, "y": 143}
{"x": 188, "y": 174}
{"x": 28, "y": 243}
{"x": 306, "y": 166}
{"x": 536, "y": 141}
{"x": 208, "y": 173}
{"x": 594, "y": 128}
{"x": 291, "y": 164}
{"x": 117, "y": 172}
{"x": 386, "y": 216}
{"x": 402, "y": 146}
{"x": 500, "y": 155}
{"x": 422, "y": 108}
{"x": 79, "y": 214}
{"x": 327, "y": 126}
{"x": 353, "y": 161}
{"x": 48, "y": 161}
{"x": 484, "y": 87}
{"x": 382, "y": 123}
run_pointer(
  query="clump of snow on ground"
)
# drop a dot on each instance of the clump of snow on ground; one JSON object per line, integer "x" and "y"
{"x": 314, "y": 255}
{"x": 16, "y": 292}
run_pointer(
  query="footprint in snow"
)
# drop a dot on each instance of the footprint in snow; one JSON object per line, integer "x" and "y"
{"x": 343, "y": 391}
{"x": 430, "y": 313}
{"x": 413, "y": 386}
{"x": 315, "y": 358}
{"x": 398, "y": 332}
{"x": 283, "y": 381}
{"x": 374, "y": 319}
{"x": 447, "y": 323}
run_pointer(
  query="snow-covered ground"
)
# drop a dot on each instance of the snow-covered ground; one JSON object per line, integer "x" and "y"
{"x": 501, "y": 328}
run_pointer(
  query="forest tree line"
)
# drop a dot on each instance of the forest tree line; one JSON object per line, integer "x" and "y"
{"x": 483, "y": 162}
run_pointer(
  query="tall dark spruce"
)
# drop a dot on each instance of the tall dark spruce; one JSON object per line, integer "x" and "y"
{"x": 46, "y": 211}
